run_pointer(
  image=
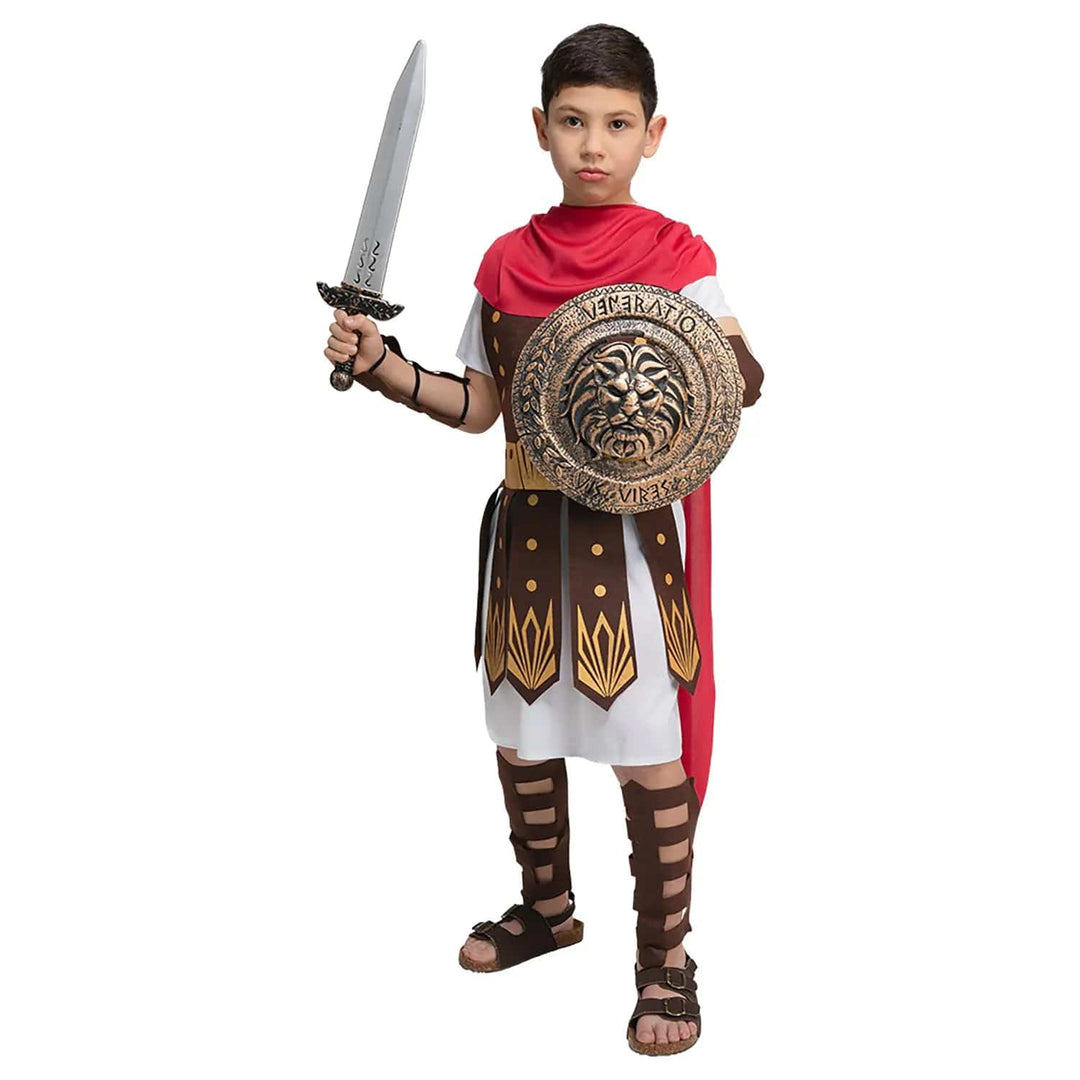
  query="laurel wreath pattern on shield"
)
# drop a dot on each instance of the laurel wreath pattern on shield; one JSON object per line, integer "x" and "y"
{"x": 627, "y": 397}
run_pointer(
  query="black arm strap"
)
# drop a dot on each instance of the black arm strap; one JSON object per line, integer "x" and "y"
{"x": 392, "y": 342}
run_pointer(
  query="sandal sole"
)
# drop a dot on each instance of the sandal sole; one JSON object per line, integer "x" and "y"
{"x": 565, "y": 938}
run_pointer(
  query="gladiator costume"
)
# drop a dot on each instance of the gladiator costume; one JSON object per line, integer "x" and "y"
{"x": 593, "y": 629}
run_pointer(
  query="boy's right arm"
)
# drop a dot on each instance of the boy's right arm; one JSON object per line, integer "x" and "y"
{"x": 469, "y": 402}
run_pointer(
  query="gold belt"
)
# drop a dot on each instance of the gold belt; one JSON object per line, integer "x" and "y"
{"x": 520, "y": 471}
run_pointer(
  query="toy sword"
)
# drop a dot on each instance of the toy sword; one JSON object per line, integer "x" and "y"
{"x": 360, "y": 292}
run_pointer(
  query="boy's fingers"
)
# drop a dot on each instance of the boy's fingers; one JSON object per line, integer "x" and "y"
{"x": 354, "y": 322}
{"x": 360, "y": 323}
{"x": 342, "y": 345}
{"x": 335, "y": 357}
{"x": 342, "y": 334}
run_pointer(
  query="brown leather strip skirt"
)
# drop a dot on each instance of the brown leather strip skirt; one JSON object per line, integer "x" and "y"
{"x": 522, "y": 639}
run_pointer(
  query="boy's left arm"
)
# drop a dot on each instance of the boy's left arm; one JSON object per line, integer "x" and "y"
{"x": 706, "y": 291}
{"x": 750, "y": 369}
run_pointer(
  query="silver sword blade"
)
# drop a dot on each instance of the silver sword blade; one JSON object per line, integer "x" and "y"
{"x": 378, "y": 220}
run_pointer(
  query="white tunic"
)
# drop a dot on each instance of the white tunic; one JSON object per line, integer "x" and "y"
{"x": 642, "y": 726}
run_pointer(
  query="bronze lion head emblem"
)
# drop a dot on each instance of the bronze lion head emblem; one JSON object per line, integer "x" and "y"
{"x": 623, "y": 401}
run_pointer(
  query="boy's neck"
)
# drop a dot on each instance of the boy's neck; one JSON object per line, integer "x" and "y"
{"x": 622, "y": 198}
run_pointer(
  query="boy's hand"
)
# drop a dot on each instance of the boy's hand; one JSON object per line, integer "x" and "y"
{"x": 353, "y": 337}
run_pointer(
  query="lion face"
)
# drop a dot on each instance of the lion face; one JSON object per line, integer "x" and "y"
{"x": 624, "y": 402}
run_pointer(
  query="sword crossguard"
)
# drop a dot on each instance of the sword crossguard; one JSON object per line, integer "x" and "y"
{"x": 354, "y": 301}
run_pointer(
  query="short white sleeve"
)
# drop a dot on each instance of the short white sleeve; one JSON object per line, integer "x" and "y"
{"x": 706, "y": 292}
{"x": 470, "y": 350}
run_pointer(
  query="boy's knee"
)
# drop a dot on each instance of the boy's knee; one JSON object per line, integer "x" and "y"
{"x": 511, "y": 755}
{"x": 664, "y": 774}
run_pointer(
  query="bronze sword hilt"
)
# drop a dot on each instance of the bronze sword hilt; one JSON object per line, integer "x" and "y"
{"x": 354, "y": 301}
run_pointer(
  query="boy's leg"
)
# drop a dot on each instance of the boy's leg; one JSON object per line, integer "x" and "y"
{"x": 651, "y": 889}
{"x": 482, "y": 951}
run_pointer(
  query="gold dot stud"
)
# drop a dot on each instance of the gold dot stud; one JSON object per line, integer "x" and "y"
{"x": 531, "y": 543}
{"x": 667, "y": 579}
{"x": 661, "y": 538}
{"x": 533, "y": 500}
{"x": 495, "y": 316}
{"x": 531, "y": 585}
{"x": 600, "y": 590}
{"x": 598, "y": 549}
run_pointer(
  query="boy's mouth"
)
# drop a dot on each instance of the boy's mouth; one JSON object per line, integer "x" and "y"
{"x": 591, "y": 174}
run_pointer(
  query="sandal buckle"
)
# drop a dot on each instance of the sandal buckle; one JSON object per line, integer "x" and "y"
{"x": 670, "y": 973}
{"x": 670, "y": 1004}
{"x": 486, "y": 924}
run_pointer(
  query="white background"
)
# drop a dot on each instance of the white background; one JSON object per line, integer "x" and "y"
{"x": 248, "y": 807}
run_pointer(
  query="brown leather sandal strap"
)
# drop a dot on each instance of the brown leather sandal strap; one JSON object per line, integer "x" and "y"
{"x": 531, "y": 859}
{"x": 551, "y": 769}
{"x": 670, "y": 834}
{"x": 638, "y": 797}
{"x": 535, "y": 939}
{"x": 683, "y": 1006}
{"x": 567, "y": 912}
{"x": 650, "y": 874}
{"x": 646, "y": 864}
{"x": 652, "y": 937}
{"x": 516, "y": 802}
{"x": 674, "y": 1007}
{"x": 645, "y": 898}
{"x": 540, "y": 800}
{"x": 675, "y": 978}
{"x": 688, "y": 996}
{"x": 512, "y": 912}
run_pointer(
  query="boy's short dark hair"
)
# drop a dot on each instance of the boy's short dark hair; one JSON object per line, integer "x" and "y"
{"x": 603, "y": 55}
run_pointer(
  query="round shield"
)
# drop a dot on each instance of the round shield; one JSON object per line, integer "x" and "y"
{"x": 627, "y": 397}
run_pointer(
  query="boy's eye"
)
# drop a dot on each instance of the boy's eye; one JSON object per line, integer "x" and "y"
{"x": 567, "y": 119}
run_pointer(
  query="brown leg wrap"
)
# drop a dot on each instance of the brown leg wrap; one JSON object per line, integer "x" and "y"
{"x": 530, "y": 859}
{"x": 650, "y": 873}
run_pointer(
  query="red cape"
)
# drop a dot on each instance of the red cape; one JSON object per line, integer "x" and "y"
{"x": 570, "y": 249}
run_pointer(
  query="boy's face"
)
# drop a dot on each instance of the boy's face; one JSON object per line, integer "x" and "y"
{"x": 598, "y": 128}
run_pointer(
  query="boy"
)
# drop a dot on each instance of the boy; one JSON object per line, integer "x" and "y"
{"x": 541, "y": 553}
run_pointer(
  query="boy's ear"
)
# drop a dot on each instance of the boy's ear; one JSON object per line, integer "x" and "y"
{"x": 541, "y": 126}
{"x": 652, "y": 135}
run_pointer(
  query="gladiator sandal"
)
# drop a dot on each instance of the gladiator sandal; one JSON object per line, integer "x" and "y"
{"x": 653, "y": 907}
{"x": 538, "y": 936}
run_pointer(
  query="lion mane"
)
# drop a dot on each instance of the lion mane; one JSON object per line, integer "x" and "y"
{"x": 623, "y": 403}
